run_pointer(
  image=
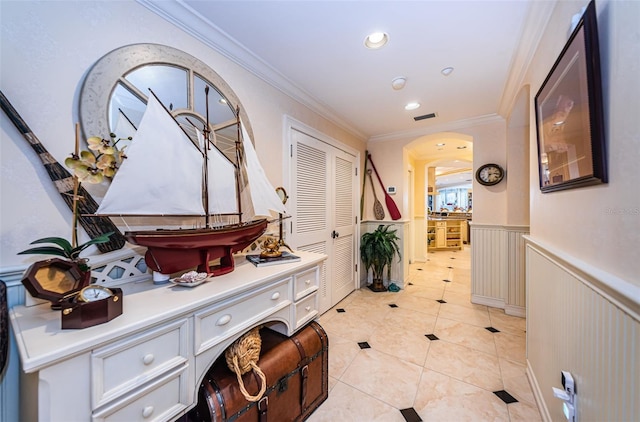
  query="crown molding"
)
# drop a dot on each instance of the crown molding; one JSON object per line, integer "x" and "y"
{"x": 532, "y": 31}
{"x": 442, "y": 127}
{"x": 188, "y": 20}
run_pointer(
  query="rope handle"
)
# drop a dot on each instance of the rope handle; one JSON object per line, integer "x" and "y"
{"x": 244, "y": 391}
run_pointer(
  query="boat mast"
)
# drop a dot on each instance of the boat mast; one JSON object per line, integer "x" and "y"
{"x": 239, "y": 167}
{"x": 205, "y": 185}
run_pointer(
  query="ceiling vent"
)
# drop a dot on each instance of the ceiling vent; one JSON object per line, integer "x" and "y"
{"x": 425, "y": 116}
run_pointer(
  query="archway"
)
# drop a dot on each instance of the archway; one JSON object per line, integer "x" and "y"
{"x": 446, "y": 158}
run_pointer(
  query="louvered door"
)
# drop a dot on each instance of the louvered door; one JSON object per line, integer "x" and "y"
{"x": 323, "y": 179}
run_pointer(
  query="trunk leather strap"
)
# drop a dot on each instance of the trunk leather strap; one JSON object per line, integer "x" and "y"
{"x": 263, "y": 404}
{"x": 304, "y": 371}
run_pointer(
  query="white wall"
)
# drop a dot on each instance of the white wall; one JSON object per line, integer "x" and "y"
{"x": 598, "y": 224}
{"x": 583, "y": 284}
{"x": 47, "y": 47}
{"x": 489, "y": 146}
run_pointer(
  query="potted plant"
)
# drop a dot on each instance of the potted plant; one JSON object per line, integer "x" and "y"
{"x": 377, "y": 251}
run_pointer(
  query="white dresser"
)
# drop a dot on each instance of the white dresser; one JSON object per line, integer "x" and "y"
{"x": 147, "y": 364}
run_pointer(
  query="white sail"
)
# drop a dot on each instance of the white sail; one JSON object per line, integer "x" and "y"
{"x": 162, "y": 174}
{"x": 221, "y": 180}
{"x": 263, "y": 195}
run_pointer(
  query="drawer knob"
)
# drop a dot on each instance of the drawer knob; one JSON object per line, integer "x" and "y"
{"x": 307, "y": 282}
{"x": 308, "y": 308}
{"x": 275, "y": 296}
{"x": 225, "y": 319}
{"x": 148, "y": 359}
{"x": 147, "y": 411}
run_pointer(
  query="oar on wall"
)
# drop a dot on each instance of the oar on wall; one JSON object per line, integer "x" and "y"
{"x": 388, "y": 200}
{"x": 94, "y": 226}
{"x": 364, "y": 184}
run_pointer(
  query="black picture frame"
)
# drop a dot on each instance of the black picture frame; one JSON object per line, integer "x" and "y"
{"x": 569, "y": 113}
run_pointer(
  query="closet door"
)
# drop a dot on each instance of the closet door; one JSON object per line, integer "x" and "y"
{"x": 323, "y": 179}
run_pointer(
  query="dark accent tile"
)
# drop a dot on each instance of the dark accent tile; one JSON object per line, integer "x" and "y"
{"x": 451, "y": 268}
{"x": 452, "y": 257}
{"x": 340, "y": 310}
{"x": 493, "y": 330}
{"x": 410, "y": 284}
{"x": 441, "y": 301}
{"x": 446, "y": 281}
{"x": 431, "y": 337}
{"x": 419, "y": 269}
{"x": 364, "y": 345}
{"x": 393, "y": 305}
{"x": 410, "y": 415}
{"x": 505, "y": 397}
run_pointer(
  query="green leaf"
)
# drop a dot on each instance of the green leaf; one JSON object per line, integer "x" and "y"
{"x": 62, "y": 242}
{"x": 75, "y": 252}
{"x": 103, "y": 238}
{"x": 45, "y": 250}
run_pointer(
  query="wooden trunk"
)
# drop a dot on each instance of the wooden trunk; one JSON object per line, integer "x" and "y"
{"x": 296, "y": 369}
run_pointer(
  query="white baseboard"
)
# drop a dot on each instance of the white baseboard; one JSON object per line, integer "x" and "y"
{"x": 537, "y": 394}
{"x": 517, "y": 311}
{"x": 487, "y": 301}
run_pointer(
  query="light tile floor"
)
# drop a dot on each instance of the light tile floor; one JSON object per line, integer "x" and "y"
{"x": 450, "y": 377}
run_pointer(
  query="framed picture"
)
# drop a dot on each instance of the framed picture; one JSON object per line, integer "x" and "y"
{"x": 569, "y": 114}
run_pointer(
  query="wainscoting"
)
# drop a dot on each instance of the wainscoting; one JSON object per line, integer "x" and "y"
{"x": 587, "y": 322}
{"x": 498, "y": 267}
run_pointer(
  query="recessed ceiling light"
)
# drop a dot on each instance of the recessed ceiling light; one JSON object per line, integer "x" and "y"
{"x": 446, "y": 71}
{"x": 412, "y": 106}
{"x": 376, "y": 40}
{"x": 440, "y": 145}
{"x": 462, "y": 147}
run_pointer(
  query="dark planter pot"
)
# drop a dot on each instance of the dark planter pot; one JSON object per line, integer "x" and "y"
{"x": 377, "y": 285}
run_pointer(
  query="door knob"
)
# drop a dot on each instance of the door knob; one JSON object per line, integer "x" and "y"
{"x": 334, "y": 234}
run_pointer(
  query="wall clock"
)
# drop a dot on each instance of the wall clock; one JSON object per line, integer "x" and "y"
{"x": 490, "y": 174}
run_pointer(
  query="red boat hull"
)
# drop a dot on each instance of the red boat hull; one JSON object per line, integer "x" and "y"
{"x": 171, "y": 251}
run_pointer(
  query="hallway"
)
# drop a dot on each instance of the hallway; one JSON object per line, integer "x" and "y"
{"x": 425, "y": 353}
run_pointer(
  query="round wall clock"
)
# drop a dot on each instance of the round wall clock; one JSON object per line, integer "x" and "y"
{"x": 489, "y": 174}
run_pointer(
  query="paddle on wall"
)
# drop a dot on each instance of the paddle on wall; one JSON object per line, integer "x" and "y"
{"x": 94, "y": 226}
{"x": 388, "y": 200}
{"x": 378, "y": 211}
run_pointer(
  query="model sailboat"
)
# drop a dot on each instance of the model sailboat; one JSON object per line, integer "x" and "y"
{"x": 166, "y": 173}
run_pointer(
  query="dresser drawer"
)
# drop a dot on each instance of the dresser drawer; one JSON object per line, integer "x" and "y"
{"x": 305, "y": 282}
{"x": 306, "y": 310}
{"x": 220, "y": 321}
{"x": 123, "y": 366}
{"x": 160, "y": 401}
